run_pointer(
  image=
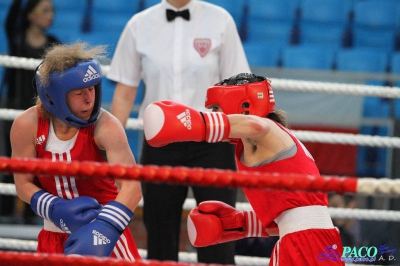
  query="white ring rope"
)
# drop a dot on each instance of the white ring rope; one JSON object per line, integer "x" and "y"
{"x": 279, "y": 84}
{"x": 17, "y": 244}
{"x": 336, "y": 88}
{"x": 303, "y": 135}
{"x": 347, "y": 139}
{"x": 360, "y": 214}
{"x": 383, "y": 186}
{"x": 9, "y": 114}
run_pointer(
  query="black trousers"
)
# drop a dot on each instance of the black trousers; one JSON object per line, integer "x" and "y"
{"x": 162, "y": 210}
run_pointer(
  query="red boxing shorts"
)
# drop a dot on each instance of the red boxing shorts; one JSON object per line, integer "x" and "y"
{"x": 309, "y": 247}
{"x": 307, "y": 237}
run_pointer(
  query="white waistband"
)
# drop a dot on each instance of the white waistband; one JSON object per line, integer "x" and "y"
{"x": 50, "y": 226}
{"x": 303, "y": 218}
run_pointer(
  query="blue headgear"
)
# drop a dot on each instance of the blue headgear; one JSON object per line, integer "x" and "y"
{"x": 54, "y": 94}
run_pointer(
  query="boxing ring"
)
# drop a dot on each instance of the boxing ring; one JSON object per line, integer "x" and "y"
{"x": 21, "y": 252}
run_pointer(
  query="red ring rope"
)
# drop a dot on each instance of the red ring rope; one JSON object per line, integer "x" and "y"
{"x": 182, "y": 175}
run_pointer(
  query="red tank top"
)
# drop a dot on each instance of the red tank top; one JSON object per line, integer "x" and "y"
{"x": 269, "y": 204}
{"x": 84, "y": 149}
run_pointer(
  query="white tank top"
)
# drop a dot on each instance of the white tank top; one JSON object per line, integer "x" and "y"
{"x": 56, "y": 145}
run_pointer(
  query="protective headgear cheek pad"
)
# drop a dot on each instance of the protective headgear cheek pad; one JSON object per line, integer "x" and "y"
{"x": 54, "y": 94}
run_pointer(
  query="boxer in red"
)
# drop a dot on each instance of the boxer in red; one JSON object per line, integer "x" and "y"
{"x": 81, "y": 216}
{"x": 244, "y": 113}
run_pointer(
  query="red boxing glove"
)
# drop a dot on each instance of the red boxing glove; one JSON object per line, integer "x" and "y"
{"x": 215, "y": 222}
{"x": 165, "y": 122}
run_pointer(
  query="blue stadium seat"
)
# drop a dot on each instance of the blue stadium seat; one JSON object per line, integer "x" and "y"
{"x": 376, "y": 23}
{"x": 261, "y": 10}
{"x": 371, "y": 161}
{"x": 149, "y": 3}
{"x": 335, "y": 12}
{"x": 272, "y": 20}
{"x": 318, "y": 57}
{"x": 3, "y": 36}
{"x": 116, "y": 6}
{"x": 376, "y": 107}
{"x": 331, "y": 35}
{"x": 324, "y": 22}
{"x": 112, "y": 15}
{"x": 70, "y": 20}
{"x": 5, "y": 5}
{"x": 377, "y": 38}
{"x": 70, "y": 5}
{"x": 395, "y": 69}
{"x": 101, "y": 38}
{"x": 235, "y": 8}
{"x": 362, "y": 60}
{"x": 274, "y": 31}
{"x": 395, "y": 63}
{"x": 260, "y": 54}
{"x": 376, "y": 13}
{"x": 109, "y": 22}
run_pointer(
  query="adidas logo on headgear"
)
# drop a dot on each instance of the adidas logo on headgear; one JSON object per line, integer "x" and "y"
{"x": 91, "y": 73}
{"x": 185, "y": 119}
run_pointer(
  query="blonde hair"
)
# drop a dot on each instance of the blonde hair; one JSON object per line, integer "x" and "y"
{"x": 61, "y": 57}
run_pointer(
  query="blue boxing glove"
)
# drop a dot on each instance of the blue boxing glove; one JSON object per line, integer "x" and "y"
{"x": 68, "y": 215}
{"x": 100, "y": 237}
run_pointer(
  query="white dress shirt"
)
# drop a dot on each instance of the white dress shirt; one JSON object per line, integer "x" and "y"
{"x": 178, "y": 60}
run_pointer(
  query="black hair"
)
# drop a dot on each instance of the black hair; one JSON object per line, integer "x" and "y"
{"x": 278, "y": 116}
{"x": 241, "y": 78}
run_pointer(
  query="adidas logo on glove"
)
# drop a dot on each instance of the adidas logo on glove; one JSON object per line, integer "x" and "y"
{"x": 64, "y": 227}
{"x": 185, "y": 119}
{"x": 99, "y": 239}
{"x": 91, "y": 73}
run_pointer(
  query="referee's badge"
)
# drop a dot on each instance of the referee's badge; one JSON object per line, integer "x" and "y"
{"x": 202, "y": 46}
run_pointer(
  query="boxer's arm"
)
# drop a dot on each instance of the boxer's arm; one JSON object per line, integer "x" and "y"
{"x": 23, "y": 146}
{"x": 110, "y": 136}
{"x": 123, "y": 100}
{"x": 248, "y": 126}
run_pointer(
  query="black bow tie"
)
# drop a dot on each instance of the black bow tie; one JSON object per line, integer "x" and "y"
{"x": 171, "y": 14}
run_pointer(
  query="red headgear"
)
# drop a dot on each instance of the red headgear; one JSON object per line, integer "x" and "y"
{"x": 244, "y": 93}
